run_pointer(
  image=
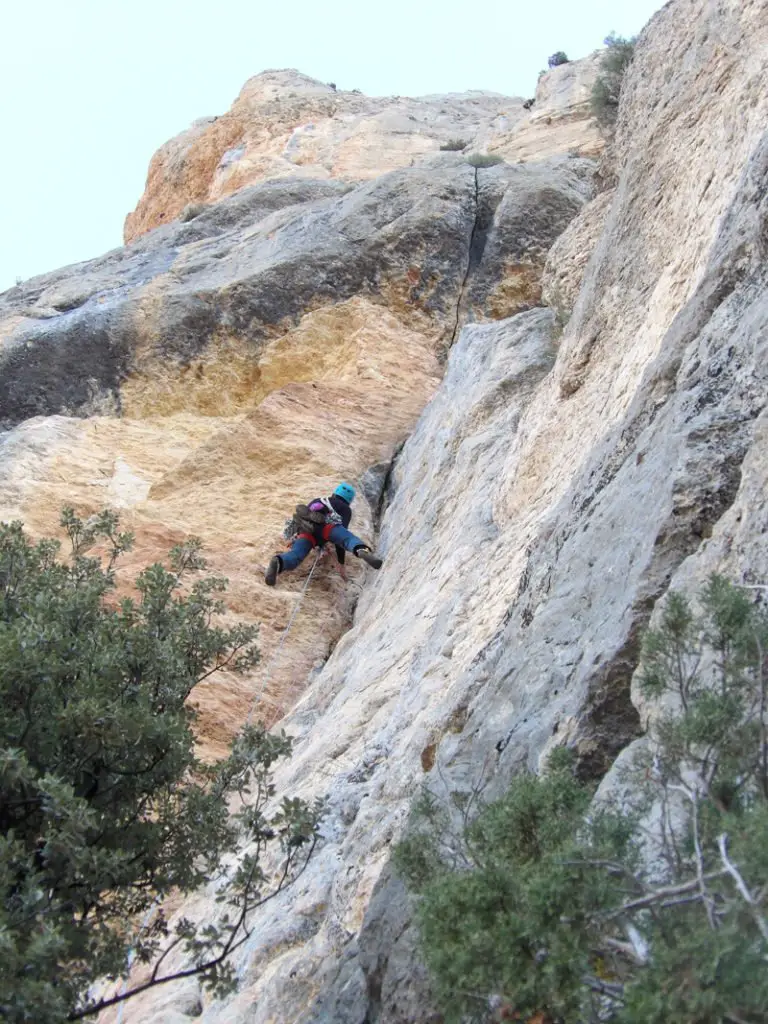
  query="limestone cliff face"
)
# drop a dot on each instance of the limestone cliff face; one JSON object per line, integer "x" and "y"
{"x": 213, "y": 373}
{"x": 571, "y": 464}
{"x": 284, "y": 124}
{"x": 550, "y": 494}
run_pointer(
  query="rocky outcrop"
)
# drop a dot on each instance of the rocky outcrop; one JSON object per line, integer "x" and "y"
{"x": 248, "y": 269}
{"x": 560, "y": 120}
{"x": 286, "y": 125}
{"x": 550, "y": 494}
{"x": 572, "y": 465}
{"x": 218, "y": 370}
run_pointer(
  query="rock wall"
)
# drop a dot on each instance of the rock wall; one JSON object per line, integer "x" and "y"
{"x": 572, "y": 464}
{"x": 216, "y": 371}
{"x": 284, "y": 124}
{"x": 559, "y": 120}
{"x": 552, "y": 491}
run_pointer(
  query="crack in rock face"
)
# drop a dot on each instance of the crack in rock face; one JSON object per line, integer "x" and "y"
{"x": 222, "y": 368}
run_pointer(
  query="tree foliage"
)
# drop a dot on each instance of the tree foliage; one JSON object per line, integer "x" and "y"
{"x": 544, "y": 903}
{"x": 480, "y": 160}
{"x": 453, "y": 146}
{"x": 604, "y": 99}
{"x": 105, "y": 808}
{"x": 557, "y": 59}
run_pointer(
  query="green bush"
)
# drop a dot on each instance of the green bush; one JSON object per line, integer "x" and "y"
{"x": 453, "y": 145}
{"x": 192, "y": 210}
{"x": 651, "y": 915}
{"x": 105, "y": 808}
{"x": 484, "y": 159}
{"x": 604, "y": 99}
{"x": 557, "y": 59}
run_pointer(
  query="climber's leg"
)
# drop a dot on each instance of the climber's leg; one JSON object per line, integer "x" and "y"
{"x": 297, "y": 552}
{"x": 344, "y": 538}
{"x": 368, "y": 556}
{"x": 290, "y": 559}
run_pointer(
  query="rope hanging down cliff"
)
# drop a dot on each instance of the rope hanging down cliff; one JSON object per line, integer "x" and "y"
{"x": 286, "y": 631}
{"x": 270, "y": 668}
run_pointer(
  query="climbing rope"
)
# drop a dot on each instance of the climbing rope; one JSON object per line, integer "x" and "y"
{"x": 268, "y": 675}
{"x": 286, "y": 631}
{"x": 131, "y": 956}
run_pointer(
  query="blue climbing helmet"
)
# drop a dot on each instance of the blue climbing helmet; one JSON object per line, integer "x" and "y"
{"x": 346, "y": 491}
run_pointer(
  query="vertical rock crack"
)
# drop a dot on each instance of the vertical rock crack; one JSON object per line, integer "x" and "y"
{"x": 462, "y": 289}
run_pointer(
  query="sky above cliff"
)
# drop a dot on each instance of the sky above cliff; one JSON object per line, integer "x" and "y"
{"x": 90, "y": 90}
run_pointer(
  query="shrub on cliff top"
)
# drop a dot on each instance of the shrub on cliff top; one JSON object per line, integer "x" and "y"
{"x": 557, "y": 59}
{"x": 192, "y": 210}
{"x": 484, "y": 159}
{"x": 104, "y": 807}
{"x": 604, "y": 99}
{"x": 656, "y": 914}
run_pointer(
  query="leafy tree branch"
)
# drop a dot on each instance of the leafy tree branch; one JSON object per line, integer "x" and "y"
{"x": 105, "y": 809}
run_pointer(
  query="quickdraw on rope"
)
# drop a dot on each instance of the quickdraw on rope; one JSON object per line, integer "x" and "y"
{"x": 286, "y": 631}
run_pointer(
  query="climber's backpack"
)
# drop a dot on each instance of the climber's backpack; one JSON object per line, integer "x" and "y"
{"x": 307, "y": 518}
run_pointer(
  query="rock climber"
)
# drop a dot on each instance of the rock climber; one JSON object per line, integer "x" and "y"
{"x": 323, "y": 520}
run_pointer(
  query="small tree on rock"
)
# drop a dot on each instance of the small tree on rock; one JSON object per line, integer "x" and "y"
{"x": 604, "y": 99}
{"x": 541, "y": 904}
{"x": 557, "y": 59}
{"x": 481, "y": 160}
{"x": 104, "y": 807}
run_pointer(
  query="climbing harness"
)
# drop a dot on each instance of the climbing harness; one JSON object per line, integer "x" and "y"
{"x": 286, "y": 631}
{"x": 308, "y": 519}
{"x": 332, "y": 517}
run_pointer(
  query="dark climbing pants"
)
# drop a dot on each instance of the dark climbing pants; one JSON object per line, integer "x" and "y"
{"x": 303, "y": 544}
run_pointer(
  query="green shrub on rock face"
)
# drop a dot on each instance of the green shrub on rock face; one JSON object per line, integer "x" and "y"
{"x": 104, "y": 807}
{"x": 557, "y": 59}
{"x": 453, "y": 146}
{"x": 192, "y": 210}
{"x": 484, "y": 159}
{"x": 655, "y": 914}
{"x": 604, "y": 99}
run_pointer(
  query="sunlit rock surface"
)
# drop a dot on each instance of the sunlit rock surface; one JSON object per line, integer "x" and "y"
{"x": 571, "y": 463}
{"x": 284, "y": 124}
{"x": 215, "y": 372}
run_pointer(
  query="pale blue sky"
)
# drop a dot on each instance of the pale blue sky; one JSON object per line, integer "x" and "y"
{"x": 90, "y": 88}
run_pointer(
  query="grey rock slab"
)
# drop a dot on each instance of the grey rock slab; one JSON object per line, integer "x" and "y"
{"x": 567, "y": 260}
{"x": 521, "y": 211}
{"x": 250, "y": 205}
{"x": 547, "y": 499}
{"x": 389, "y": 694}
{"x": 252, "y": 265}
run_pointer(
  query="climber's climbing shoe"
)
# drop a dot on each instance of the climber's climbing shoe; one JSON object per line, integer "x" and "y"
{"x": 368, "y": 556}
{"x": 273, "y": 569}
